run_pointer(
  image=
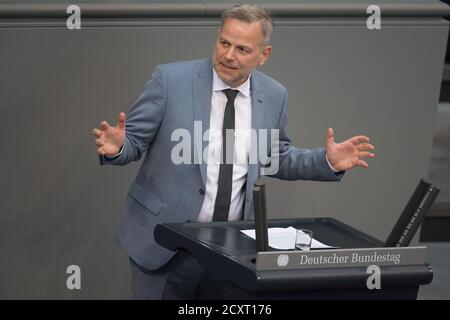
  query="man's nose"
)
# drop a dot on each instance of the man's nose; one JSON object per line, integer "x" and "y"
{"x": 230, "y": 54}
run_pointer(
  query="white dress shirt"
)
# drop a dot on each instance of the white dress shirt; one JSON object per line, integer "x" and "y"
{"x": 243, "y": 123}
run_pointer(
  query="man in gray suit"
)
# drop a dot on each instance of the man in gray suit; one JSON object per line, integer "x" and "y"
{"x": 183, "y": 99}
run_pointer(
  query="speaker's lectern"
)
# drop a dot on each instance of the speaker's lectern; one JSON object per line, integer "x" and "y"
{"x": 357, "y": 266}
{"x": 227, "y": 254}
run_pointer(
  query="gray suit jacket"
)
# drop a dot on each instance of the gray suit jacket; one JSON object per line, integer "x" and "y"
{"x": 177, "y": 95}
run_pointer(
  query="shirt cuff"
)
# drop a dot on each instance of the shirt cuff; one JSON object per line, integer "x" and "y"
{"x": 331, "y": 167}
{"x": 117, "y": 154}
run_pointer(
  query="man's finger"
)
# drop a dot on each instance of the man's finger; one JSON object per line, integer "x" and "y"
{"x": 104, "y": 125}
{"x": 121, "y": 120}
{"x": 366, "y": 155}
{"x": 330, "y": 136}
{"x": 96, "y": 133}
{"x": 362, "y": 163}
{"x": 360, "y": 139}
{"x": 100, "y": 151}
{"x": 99, "y": 142}
{"x": 365, "y": 147}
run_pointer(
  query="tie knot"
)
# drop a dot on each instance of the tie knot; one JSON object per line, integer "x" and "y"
{"x": 231, "y": 94}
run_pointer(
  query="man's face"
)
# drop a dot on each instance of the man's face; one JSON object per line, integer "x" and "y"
{"x": 238, "y": 50}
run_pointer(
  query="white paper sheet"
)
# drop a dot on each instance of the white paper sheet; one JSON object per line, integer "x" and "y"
{"x": 284, "y": 238}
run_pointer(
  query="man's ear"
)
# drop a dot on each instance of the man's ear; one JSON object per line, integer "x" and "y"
{"x": 267, "y": 51}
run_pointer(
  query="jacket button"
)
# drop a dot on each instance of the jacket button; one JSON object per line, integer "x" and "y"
{"x": 201, "y": 191}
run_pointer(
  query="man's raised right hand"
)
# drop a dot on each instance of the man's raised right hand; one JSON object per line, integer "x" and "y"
{"x": 109, "y": 139}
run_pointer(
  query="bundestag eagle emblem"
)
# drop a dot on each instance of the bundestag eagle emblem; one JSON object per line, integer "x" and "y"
{"x": 283, "y": 260}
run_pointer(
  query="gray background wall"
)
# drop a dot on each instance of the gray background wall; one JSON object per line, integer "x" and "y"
{"x": 59, "y": 207}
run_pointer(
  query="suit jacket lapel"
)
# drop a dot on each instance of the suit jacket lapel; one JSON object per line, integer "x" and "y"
{"x": 258, "y": 122}
{"x": 202, "y": 90}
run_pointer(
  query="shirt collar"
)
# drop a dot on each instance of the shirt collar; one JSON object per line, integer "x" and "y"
{"x": 219, "y": 85}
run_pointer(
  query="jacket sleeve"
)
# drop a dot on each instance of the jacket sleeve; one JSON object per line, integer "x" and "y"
{"x": 300, "y": 164}
{"x": 143, "y": 120}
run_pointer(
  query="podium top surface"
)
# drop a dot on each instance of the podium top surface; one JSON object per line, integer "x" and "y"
{"x": 227, "y": 238}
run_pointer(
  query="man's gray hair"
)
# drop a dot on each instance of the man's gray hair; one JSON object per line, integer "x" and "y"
{"x": 250, "y": 13}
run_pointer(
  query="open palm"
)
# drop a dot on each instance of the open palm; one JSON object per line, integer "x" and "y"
{"x": 109, "y": 139}
{"x": 349, "y": 153}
